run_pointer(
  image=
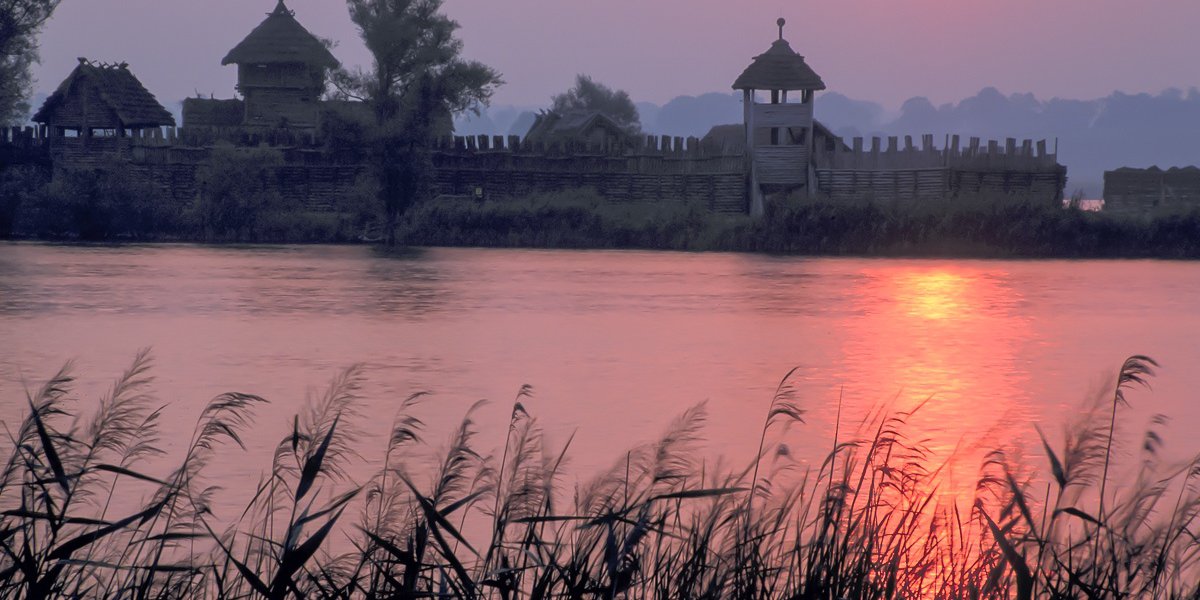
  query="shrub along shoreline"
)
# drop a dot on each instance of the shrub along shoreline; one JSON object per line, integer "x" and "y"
{"x": 102, "y": 205}
{"x": 865, "y": 521}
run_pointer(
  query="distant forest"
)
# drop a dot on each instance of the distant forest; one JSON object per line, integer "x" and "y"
{"x": 1120, "y": 130}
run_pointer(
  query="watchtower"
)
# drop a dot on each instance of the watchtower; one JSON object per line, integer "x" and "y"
{"x": 779, "y": 134}
{"x": 281, "y": 72}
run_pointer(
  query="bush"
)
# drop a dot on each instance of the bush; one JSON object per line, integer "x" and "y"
{"x": 18, "y": 185}
{"x": 570, "y": 219}
{"x": 93, "y": 204}
{"x": 237, "y": 187}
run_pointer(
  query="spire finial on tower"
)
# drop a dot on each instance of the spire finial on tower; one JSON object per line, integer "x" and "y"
{"x": 781, "y": 22}
{"x": 281, "y": 9}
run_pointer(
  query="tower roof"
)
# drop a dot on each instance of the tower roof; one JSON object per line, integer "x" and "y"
{"x": 281, "y": 39}
{"x": 779, "y": 68}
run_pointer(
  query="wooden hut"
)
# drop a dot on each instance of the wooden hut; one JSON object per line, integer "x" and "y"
{"x": 281, "y": 72}
{"x": 101, "y": 100}
{"x": 781, "y": 159}
{"x": 575, "y": 127}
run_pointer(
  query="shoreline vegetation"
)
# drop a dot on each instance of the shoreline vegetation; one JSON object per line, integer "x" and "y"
{"x": 865, "y": 521}
{"x": 102, "y": 206}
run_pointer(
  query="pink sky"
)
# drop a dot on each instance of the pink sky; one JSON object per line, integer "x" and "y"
{"x": 883, "y": 50}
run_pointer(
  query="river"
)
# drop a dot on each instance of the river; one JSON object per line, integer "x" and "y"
{"x": 614, "y": 343}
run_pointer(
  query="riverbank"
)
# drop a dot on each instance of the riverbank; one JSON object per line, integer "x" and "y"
{"x": 972, "y": 228}
{"x": 95, "y": 207}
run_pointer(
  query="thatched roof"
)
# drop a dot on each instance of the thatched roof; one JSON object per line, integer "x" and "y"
{"x": 574, "y": 124}
{"x": 779, "y": 68}
{"x": 117, "y": 87}
{"x": 280, "y": 39}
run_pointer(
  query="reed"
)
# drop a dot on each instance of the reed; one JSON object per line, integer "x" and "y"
{"x": 865, "y": 521}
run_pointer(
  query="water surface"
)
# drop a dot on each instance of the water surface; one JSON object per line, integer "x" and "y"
{"x": 615, "y": 343}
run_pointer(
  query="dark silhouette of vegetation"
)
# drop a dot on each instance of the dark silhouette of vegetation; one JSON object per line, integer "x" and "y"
{"x": 865, "y": 521}
{"x": 18, "y": 185}
{"x": 95, "y": 204}
{"x": 978, "y": 227}
{"x": 234, "y": 204}
{"x": 590, "y": 95}
{"x": 20, "y": 23}
{"x": 417, "y": 82}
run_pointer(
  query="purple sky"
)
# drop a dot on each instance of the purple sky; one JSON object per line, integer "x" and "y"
{"x": 883, "y": 50}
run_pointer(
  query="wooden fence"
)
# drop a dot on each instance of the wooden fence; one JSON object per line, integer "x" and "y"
{"x": 1139, "y": 191}
{"x": 645, "y": 169}
{"x": 847, "y": 171}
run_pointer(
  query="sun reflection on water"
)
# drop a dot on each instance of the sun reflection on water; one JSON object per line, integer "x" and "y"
{"x": 944, "y": 338}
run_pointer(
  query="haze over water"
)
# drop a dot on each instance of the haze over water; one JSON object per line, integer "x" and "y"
{"x": 616, "y": 344}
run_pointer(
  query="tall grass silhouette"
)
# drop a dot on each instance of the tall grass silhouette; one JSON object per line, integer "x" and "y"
{"x": 865, "y": 521}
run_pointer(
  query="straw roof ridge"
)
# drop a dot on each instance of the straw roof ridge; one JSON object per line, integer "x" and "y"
{"x": 281, "y": 39}
{"x": 570, "y": 123}
{"x": 121, "y": 91}
{"x": 779, "y": 68}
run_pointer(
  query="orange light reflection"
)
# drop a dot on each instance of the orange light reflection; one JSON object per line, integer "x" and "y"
{"x": 944, "y": 336}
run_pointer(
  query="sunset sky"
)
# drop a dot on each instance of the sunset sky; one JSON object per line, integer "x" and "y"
{"x": 882, "y": 50}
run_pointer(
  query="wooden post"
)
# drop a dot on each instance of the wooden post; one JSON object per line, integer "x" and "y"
{"x": 774, "y": 130}
{"x": 754, "y": 194}
{"x": 810, "y": 181}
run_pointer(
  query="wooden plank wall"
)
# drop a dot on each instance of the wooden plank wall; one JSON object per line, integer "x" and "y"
{"x": 1141, "y": 191}
{"x": 918, "y": 170}
{"x": 659, "y": 169}
{"x": 649, "y": 169}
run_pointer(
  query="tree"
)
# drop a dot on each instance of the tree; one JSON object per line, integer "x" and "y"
{"x": 591, "y": 95}
{"x": 417, "y": 82}
{"x": 20, "y": 22}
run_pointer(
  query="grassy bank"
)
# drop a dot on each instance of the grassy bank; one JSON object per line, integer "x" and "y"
{"x": 991, "y": 227}
{"x": 235, "y": 204}
{"x": 864, "y": 521}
